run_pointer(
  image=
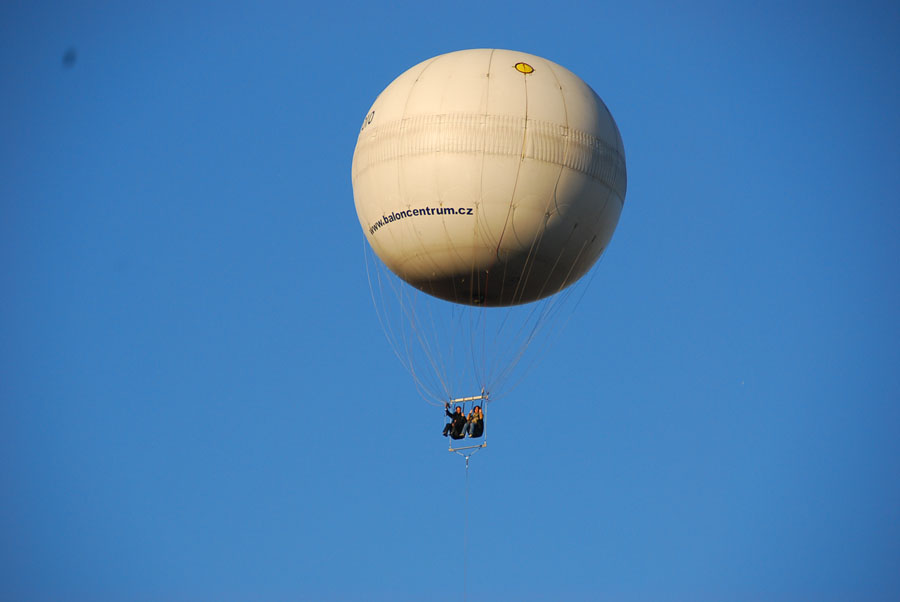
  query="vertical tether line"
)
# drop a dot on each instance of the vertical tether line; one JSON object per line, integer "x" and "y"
{"x": 466, "y": 535}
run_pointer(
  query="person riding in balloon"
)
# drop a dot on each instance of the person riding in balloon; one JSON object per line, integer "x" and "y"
{"x": 474, "y": 423}
{"x": 457, "y": 423}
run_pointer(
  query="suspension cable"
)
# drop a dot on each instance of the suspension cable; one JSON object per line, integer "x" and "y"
{"x": 466, "y": 535}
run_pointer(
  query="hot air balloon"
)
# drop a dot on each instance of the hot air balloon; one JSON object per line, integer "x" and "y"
{"x": 488, "y": 182}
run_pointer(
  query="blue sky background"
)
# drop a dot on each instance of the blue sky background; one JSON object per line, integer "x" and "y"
{"x": 198, "y": 403}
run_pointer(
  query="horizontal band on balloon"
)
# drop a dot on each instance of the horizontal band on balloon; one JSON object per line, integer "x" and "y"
{"x": 491, "y": 135}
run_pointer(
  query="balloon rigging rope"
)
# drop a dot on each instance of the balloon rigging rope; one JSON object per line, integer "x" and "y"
{"x": 539, "y": 314}
{"x": 548, "y": 307}
{"x": 560, "y": 304}
{"x": 377, "y": 282}
{"x": 431, "y": 350}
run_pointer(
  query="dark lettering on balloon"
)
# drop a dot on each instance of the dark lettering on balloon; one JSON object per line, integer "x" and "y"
{"x": 367, "y": 120}
{"x": 426, "y": 211}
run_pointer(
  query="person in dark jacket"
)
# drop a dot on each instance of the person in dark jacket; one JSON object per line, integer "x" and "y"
{"x": 457, "y": 422}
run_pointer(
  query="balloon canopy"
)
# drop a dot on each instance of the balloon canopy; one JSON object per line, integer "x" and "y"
{"x": 489, "y": 177}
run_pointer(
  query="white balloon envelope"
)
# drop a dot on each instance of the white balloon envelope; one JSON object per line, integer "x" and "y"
{"x": 489, "y": 177}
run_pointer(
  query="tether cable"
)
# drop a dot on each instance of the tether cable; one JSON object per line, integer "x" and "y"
{"x": 466, "y": 535}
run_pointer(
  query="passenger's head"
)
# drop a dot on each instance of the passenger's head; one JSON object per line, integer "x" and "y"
{"x": 458, "y": 410}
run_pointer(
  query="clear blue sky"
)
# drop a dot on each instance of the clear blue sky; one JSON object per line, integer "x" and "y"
{"x": 197, "y": 402}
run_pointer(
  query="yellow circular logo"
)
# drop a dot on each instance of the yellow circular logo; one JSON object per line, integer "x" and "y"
{"x": 524, "y": 68}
